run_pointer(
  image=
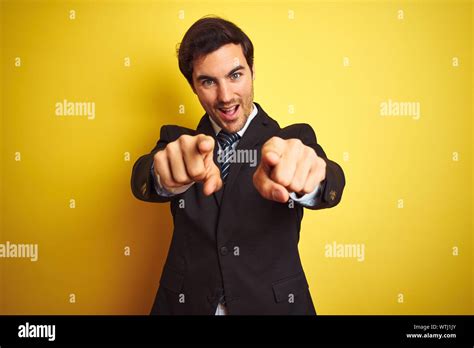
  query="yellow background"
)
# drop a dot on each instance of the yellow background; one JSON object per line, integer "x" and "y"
{"x": 299, "y": 62}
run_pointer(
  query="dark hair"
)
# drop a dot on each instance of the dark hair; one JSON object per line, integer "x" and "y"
{"x": 207, "y": 35}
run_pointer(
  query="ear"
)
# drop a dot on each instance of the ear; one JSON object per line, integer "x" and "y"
{"x": 253, "y": 71}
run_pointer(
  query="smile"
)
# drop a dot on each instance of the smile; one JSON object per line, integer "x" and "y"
{"x": 229, "y": 113}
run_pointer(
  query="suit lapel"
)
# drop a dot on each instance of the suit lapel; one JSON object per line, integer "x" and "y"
{"x": 258, "y": 130}
{"x": 252, "y": 136}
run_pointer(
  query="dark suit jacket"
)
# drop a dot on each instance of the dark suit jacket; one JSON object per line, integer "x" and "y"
{"x": 235, "y": 242}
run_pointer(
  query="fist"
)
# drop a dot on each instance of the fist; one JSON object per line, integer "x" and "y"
{"x": 288, "y": 166}
{"x": 188, "y": 159}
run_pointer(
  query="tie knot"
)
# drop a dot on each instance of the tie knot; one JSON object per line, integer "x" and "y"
{"x": 227, "y": 139}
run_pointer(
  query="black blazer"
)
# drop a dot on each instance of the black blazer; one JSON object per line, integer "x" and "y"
{"x": 235, "y": 242}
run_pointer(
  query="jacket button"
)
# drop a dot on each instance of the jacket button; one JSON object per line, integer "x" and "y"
{"x": 224, "y": 250}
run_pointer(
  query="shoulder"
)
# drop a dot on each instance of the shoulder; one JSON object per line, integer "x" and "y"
{"x": 172, "y": 132}
{"x": 297, "y": 130}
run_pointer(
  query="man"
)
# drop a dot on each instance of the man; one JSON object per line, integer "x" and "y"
{"x": 236, "y": 225}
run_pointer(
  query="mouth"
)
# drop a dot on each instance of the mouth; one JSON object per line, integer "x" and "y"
{"x": 229, "y": 114}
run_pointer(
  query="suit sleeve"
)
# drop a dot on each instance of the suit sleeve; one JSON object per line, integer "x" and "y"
{"x": 142, "y": 180}
{"x": 333, "y": 186}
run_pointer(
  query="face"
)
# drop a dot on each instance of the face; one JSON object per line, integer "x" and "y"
{"x": 223, "y": 82}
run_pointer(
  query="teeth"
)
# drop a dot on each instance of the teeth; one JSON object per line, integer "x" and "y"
{"x": 229, "y": 110}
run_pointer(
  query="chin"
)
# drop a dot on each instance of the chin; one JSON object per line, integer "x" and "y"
{"x": 234, "y": 126}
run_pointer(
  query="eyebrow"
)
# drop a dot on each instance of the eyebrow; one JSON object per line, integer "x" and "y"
{"x": 206, "y": 77}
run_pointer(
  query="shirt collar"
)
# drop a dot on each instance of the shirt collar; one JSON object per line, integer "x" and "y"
{"x": 241, "y": 132}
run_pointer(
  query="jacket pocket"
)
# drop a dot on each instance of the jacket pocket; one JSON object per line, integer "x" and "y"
{"x": 172, "y": 280}
{"x": 282, "y": 289}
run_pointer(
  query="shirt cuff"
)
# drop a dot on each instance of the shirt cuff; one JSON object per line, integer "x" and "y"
{"x": 309, "y": 199}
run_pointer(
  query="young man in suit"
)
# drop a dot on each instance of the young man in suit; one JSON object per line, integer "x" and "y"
{"x": 234, "y": 248}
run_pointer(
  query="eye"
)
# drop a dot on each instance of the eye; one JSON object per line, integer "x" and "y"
{"x": 207, "y": 83}
{"x": 236, "y": 75}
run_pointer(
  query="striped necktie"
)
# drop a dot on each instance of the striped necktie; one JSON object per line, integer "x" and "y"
{"x": 226, "y": 140}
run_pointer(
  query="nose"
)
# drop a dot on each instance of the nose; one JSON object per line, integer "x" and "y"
{"x": 224, "y": 93}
